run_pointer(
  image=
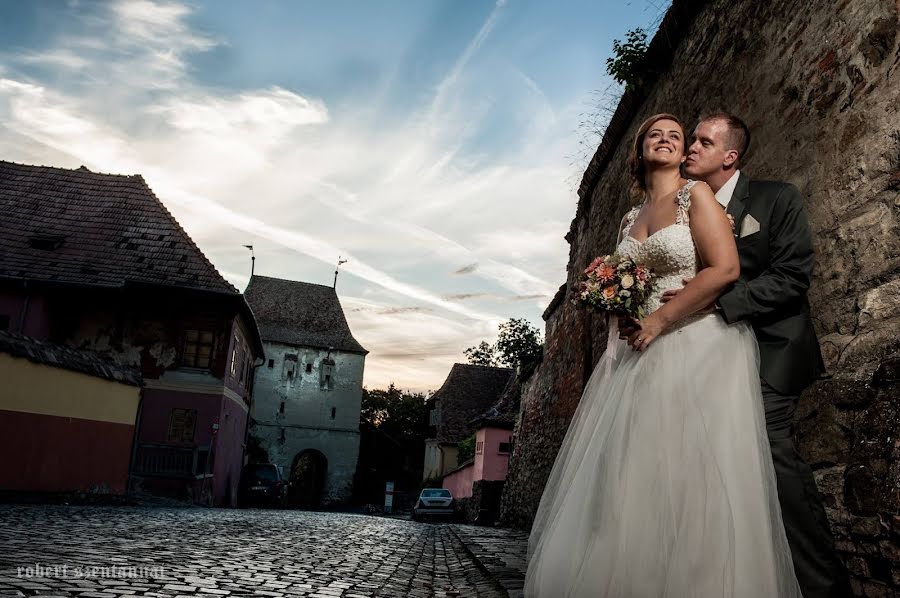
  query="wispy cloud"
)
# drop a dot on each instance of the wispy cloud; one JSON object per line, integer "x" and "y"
{"x": 442, "y": 243}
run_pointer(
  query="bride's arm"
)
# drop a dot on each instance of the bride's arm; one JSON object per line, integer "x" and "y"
{"x": 718, "y": 253}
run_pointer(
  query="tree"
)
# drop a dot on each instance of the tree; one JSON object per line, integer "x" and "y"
{"x": 395, "y": 412}
{"x": 483, "y": 354}
{"x": 465, "y": 449}
{"x": 627, "y": 66}
{"x": 518, "y": 342}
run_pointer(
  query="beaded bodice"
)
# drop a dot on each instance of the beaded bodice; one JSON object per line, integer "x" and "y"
{"x": 670, "y": 251}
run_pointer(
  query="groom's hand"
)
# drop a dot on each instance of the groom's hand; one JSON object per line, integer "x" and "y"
{"x": 671, "y": 293}
{"x": 627, "y": 327}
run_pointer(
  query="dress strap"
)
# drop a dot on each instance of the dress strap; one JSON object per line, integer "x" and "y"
{"x": 684, "y": 203}
{"x": 630, "y": 217}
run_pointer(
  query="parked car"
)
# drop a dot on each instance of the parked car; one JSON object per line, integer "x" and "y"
{"x": 262, "y": 484}
{"x": 434, "y": 502}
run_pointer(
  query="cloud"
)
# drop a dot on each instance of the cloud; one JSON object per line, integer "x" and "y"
{"x": 467, "y": 269}
{"x": 305, "y": 179}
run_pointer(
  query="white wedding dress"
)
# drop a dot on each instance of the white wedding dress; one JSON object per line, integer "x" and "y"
{"x": 664, "y": 484}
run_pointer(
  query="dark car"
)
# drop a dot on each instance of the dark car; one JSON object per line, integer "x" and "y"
{"x": 434, "y": 502}
{"x": 262, "y": 484}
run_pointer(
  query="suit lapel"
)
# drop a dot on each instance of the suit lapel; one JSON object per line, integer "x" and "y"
{"x": 737, "y": 207}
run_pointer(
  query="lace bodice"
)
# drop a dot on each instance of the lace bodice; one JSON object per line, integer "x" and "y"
{"x": 670, "y": 251}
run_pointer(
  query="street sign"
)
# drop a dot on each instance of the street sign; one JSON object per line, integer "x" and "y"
{"x": 388, "y": 496}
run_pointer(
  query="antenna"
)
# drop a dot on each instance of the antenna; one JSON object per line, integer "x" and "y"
{"x": 252, "y": 259}
{"x": 340, "y": 261}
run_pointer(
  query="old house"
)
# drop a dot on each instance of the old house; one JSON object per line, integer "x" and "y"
{"x": 467, "y": 393}
{"x": 68, "y": 418}
{"x": 95, "y": 261}
{"x": 478, "y": 482}
{"x": 309, "y": 390}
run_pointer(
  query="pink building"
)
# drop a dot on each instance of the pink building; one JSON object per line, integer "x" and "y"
{"x": 493, "y": 446}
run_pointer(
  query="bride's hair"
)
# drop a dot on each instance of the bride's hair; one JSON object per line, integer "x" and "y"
{"x": 636, "y": 162}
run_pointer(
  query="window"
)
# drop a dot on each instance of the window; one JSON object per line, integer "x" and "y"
{"x": 243, "y": 369}
{"x": 326, "y": 374}
{"x": 309, "y": 368}
{"x": 333, "y": 412}
{"x": 505, "y": 447}
{"x": 435, "y": 493}
{"x": 181, "y": 426}
{"x": 281, "y": 409}
{"x": 479, "y": 447}
{"x": 199, "y": 348}
{"x": 271, "y": 363}
{"x": 234, "y": 353}
{"x": 290, "y": 367}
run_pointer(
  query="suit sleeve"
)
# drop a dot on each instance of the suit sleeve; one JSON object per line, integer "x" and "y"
{"x": 791, "y": 264}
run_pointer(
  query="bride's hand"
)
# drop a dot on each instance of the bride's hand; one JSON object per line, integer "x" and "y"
{"x": 651, "y": 327}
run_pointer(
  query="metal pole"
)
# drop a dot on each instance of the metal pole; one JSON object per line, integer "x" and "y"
{"x": 340, "y": 261}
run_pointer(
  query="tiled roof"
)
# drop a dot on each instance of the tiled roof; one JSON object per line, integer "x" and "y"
{"x": 76, "y": 360}
{"x": 78, "y": 226}
{"x": 300, "y": 313}
{"x": 504, "y": 412}
{"x": 467, "y": 392}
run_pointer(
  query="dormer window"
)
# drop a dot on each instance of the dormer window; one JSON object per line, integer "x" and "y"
{"x": 46, "y": 242}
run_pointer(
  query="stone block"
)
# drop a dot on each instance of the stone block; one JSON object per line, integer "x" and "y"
{"x": 878, "y": 304}
{"x": 866, "y": 527}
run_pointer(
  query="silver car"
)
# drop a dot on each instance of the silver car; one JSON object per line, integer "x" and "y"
{"x": 434, "y": 502}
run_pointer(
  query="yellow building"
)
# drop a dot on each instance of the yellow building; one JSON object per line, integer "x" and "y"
{"x": 68, "y": 418}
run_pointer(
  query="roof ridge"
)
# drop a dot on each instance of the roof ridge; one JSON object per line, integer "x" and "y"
{"x": 303, "y": 282}
{"x": 488, "y": 367}
{"x": 80, "y": 170}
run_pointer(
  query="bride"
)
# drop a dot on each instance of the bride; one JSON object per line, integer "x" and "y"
{"x": 664, "y": 484}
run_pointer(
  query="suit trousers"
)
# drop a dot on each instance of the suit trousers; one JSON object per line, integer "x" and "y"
{"x": 818, "y": 569}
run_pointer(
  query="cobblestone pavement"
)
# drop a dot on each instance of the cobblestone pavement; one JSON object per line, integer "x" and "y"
{"x": 501, "y": 551}
{"x": 89, "y": 552}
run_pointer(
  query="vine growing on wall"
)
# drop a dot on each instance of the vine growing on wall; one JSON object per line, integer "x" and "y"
{"x": 627, "y": 64}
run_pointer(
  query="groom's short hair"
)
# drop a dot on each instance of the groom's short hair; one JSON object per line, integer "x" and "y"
{"x": 738, "y": 131}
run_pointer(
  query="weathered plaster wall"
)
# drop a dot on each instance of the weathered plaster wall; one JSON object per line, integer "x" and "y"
{"x": 818, "y": 84}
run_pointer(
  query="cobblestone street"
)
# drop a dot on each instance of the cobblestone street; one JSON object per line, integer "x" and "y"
{"x": 71, "y": 551}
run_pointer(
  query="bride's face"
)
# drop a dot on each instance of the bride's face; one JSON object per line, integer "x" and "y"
{"x": 663, "y": 144}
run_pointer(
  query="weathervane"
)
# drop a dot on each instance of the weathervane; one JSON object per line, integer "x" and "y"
{"x": 340, "y": 261}
{"x": 252, "y": 259}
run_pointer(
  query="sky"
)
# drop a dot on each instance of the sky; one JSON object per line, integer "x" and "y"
{"x": 436, "y": 145}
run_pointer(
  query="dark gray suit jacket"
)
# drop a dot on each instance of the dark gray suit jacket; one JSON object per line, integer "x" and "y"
{"x": 776, "y": 267}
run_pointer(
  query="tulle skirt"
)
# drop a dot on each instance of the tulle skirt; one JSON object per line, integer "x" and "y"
{"x": 664, "y": 485}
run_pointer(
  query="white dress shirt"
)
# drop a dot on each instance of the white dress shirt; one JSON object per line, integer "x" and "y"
{"x": 723, "y": 195}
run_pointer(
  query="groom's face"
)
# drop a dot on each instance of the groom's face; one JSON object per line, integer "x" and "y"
{"x": 708, "y": 149}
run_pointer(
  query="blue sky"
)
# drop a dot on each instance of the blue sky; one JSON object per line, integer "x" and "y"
{"x": 434, "y": 144}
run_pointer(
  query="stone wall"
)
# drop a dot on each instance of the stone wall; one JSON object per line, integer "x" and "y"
{"x": 818, "y": 85}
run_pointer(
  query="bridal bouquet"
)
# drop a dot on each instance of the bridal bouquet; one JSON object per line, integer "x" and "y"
{"x": 616, "y": 284}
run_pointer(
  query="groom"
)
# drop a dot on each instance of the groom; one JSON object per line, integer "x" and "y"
{"x": 774, "y": 244}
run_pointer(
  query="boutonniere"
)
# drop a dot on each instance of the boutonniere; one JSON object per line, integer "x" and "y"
{"x": 731, "y": 221}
